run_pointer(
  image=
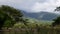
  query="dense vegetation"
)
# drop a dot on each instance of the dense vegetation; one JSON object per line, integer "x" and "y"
{"x": 57, "y": 20}
{"x": 9, "y": 16}
{"x": 13, "y": 18}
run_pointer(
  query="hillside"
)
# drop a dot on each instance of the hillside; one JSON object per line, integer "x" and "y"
{"x": 41, "y": 15}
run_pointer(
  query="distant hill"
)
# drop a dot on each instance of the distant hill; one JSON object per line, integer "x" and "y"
{"x": 41, "y": 15}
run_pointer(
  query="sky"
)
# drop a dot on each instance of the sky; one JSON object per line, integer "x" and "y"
{"x": 33, "y": 6}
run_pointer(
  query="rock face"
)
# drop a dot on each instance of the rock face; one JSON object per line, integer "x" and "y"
{"x": 41, "y": 15}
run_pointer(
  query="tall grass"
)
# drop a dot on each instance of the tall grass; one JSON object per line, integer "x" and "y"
{"x": 41, "y": 30}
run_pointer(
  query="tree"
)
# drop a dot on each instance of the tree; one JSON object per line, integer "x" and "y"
{"x": 57, "y": 9}
{"x": 9, "y": 15}
{"x": 57, "y": 20}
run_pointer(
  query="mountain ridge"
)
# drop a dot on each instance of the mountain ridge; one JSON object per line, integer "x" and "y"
{"x": 41, "y": 15}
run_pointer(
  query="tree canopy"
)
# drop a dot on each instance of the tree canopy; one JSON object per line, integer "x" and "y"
{"x": 57, "y": 20}
{"x": 9, "y": 15}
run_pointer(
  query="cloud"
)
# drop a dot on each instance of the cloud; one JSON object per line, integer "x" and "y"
{"x": 48, "y": 5}
{"x": 32, "y": 5}
{"x": 20, "y": 4}
{"x": 13, "y": 3}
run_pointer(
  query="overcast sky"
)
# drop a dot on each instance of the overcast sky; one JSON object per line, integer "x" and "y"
{"x": 32, "y": 5}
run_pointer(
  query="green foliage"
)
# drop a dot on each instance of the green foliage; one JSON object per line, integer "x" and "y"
{"x": 11, "y": 12}
{"x": 31, "y": 25}
{"x": 19, "y": 25}
{"x": 9, "y": 16}
{"x": 57, "y": 20}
